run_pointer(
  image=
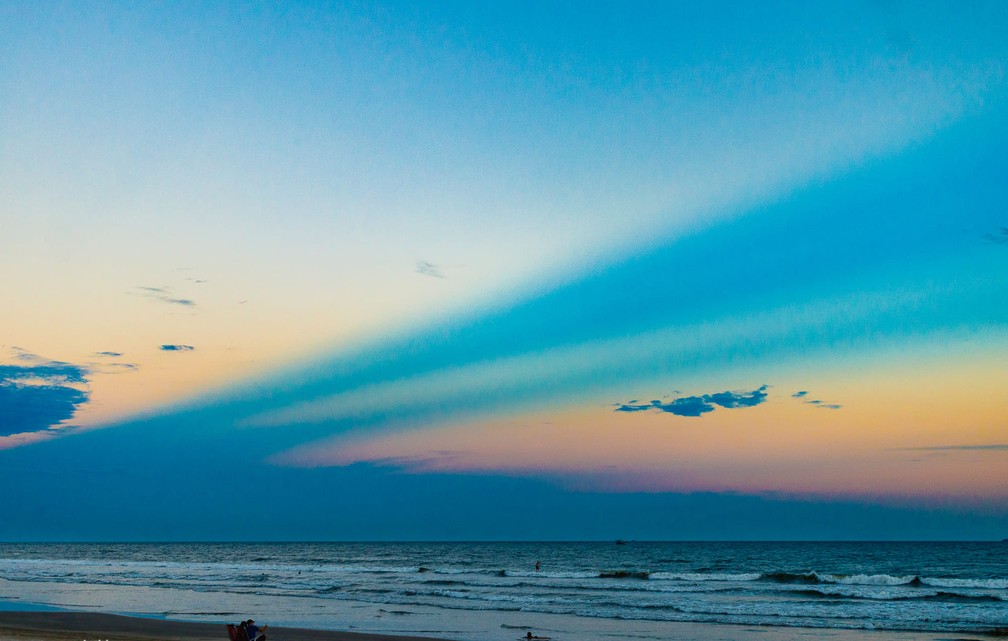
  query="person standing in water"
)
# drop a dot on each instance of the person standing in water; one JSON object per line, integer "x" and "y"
{"x": 537, "y": 566}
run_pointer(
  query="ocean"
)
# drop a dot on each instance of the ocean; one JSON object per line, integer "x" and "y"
{"x": 454, "y": 589}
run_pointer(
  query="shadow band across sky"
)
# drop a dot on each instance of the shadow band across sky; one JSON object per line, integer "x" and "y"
{"x": 894, "y": 250}
{"x": 891, "y": 251}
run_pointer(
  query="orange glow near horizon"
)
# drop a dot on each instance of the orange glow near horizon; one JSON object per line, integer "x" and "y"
{"x": 896, "y": 435}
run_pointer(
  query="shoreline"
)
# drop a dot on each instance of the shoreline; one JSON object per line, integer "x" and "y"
{"x": 79, "y": 626}
{"x": 67, "y": 625}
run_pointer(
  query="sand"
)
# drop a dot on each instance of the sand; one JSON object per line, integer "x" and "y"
{"x": 92, "y": 626}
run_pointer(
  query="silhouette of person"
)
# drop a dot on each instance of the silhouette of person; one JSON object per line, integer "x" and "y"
{"x": 253, "y": 631}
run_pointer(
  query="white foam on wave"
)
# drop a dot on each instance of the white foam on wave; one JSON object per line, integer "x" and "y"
{"x": 866, "y": 579}
{"x": 874, "y": 593}
{"x": 552, "y": 575}
{"x": 983, "y": 584}
{"x": 520, "y": 600}
{"x": 908, "y": 579}
{"x": 699, "y": 577}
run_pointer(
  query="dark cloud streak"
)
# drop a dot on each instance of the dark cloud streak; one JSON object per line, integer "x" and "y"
{"x": 1000, "y": 238}
{"x": 177, "y": 348}
{"x": 994, "y": 447}
{"x": 51, "y": 371}
{"x": 695, "y": 406}
{"x": 129, "y": 367}
{"x": 815, "y": 402}
{"x": 165, "y": 295}
{"x": 426, "y": 268}
{"x": 40, "y": 396}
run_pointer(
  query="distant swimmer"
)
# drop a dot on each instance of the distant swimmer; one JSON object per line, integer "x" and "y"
{"x": 529, "y": 635}
{"x": 537, "y": 569}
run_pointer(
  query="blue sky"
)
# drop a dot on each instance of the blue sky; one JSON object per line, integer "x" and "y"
{"x": 363, "y": 266}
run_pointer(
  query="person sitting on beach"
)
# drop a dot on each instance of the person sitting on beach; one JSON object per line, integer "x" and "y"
{"x": 237, "y": 632}
{"x": 253, "y": 631}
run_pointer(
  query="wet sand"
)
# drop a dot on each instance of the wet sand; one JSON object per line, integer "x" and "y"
{"x": 92, "y": 626}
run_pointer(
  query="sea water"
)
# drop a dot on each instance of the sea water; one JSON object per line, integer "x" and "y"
{"x": 432, "y": 588}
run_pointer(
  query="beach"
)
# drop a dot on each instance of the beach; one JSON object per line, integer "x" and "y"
{"x": 64, "y": 626}
{"x": 93, "y": 626}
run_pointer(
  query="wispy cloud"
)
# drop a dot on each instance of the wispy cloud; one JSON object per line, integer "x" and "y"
{"x": 177, "y": 348}
{"x": 39, "y": 395}
{"x": 429, "y": 269}
{"x": 1001, "y": 237}
{"x": 104, "y": 366}
{"x": 126, "y": 367}
{"x": 815, "y": 402}
{"x": 164, "y": 295}
{"x": 25, "y": 356}
{"x": 45, "y": 368}
{"x": 694, "y": 406}
{"x": 994, "y": 447}
{"x": 823, "y": 405}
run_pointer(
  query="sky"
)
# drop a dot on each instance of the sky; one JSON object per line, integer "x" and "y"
{"x": 402, "y": 271}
